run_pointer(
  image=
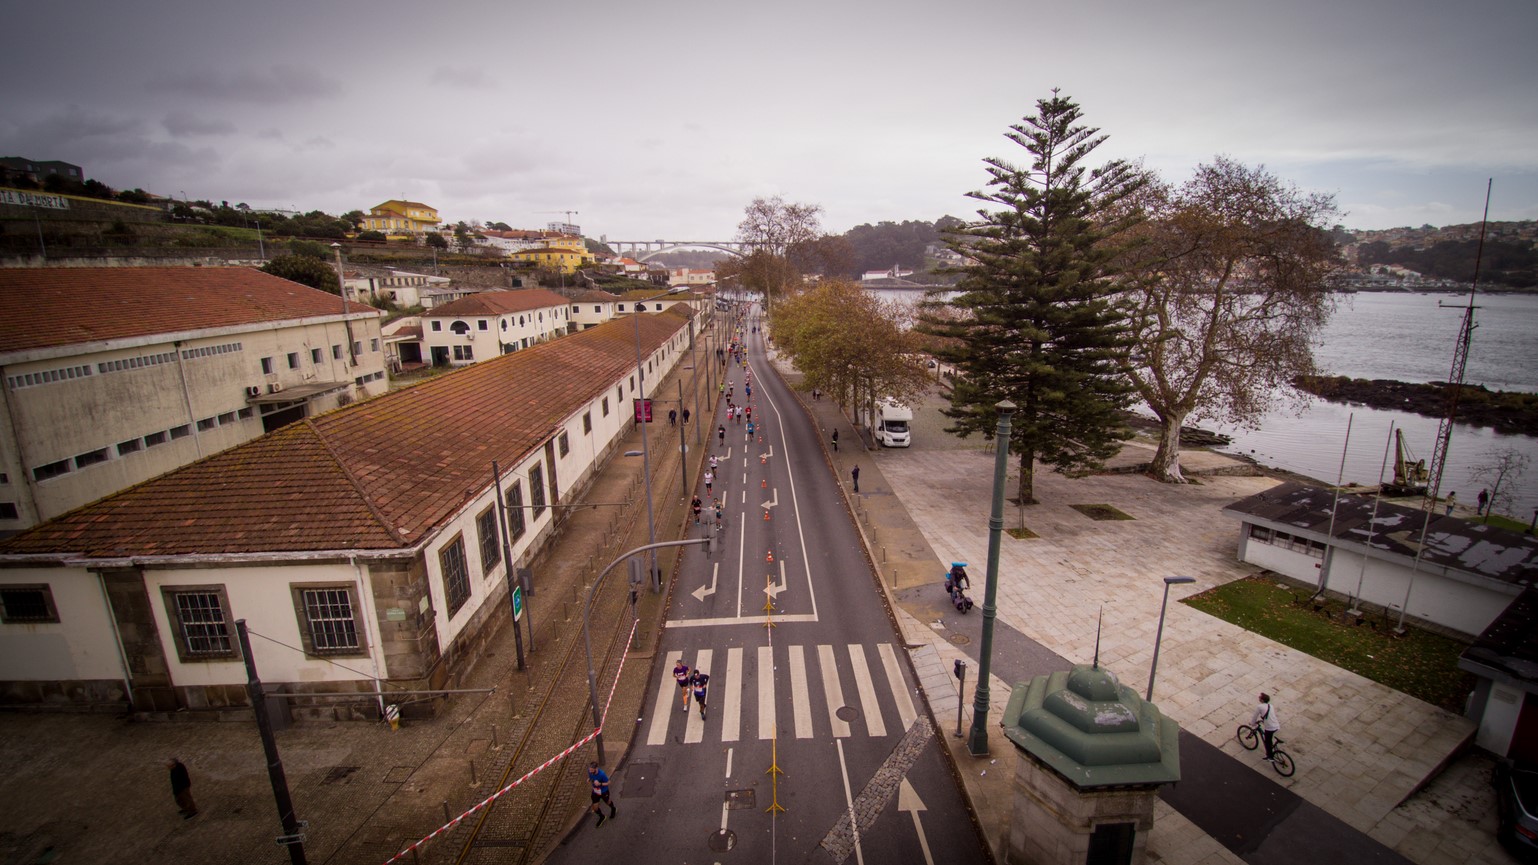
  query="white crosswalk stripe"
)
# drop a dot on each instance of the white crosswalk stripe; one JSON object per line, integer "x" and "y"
{"x": 742, "y": 694}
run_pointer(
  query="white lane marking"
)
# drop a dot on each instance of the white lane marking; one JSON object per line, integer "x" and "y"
{"x": 731, "y": 700}
{"x": 894, "y": 680}
{"x": 800, "y": 697}
{"x": 742, "y": 550}
{"x": 765, "y": 692}
{"x": 773, "y": 589}
{"x": 694, "y": 729}
{"x": 854, "y": 825}
{"x": 832, "y": 690}
{"x": 726, "y": 802}
{"x": 795, "y": 503}
{"x": 666, "y": 691}
{"x": 740, "y": 620}
{"x": 704, "y": 591}
{"x": 908, "y": 800}
{"x": 862, "y": 681}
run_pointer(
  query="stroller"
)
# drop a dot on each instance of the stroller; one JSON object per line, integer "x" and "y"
{"x": 956, "y": 584}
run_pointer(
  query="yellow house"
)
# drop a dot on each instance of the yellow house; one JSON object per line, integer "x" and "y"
{"x": 401, "y": 217}
{"x": 570, "y": 242}
{"x": 558, "y": 258}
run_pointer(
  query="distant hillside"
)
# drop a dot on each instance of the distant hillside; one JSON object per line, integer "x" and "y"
{"x": 1450, "y": 252}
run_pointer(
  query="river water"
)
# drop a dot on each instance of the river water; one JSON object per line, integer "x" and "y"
{"x": 1405, "y": 337}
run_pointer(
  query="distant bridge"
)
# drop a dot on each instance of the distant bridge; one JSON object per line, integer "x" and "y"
{"x": 642, "y": 250}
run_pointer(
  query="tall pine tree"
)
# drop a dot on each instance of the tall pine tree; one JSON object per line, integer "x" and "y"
{"x": 1036, "y": 321}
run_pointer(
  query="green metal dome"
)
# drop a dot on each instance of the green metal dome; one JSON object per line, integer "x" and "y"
{"x": 1092, "y": 730}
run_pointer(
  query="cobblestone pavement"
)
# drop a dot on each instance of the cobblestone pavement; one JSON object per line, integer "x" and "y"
{"x": 1363, "y": 749}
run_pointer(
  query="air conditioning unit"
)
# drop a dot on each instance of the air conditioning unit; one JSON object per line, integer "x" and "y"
{"x": 275, "y": 387}
{"x": 254, "y": 390}
{"x": 470, "y": 336}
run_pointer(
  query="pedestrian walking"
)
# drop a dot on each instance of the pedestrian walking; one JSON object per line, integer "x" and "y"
{"x": 1265, "y": 716}
{"x": 672, "y": 417}
{"x": 686, "y": 416}
{"x": 695, "y": 506}
{"x": 710, "y": 478}
{"x": 1484, "y": 499}
{"x": 855, "y": 473}
{"x": 721, "y": 434}
{"x": 598, "y": 779}
{"x": 181, "y": 788}
{"x": 681, "y": 675}
{"x": 835, "y": 441}
{"x": 1452, "y": 500}
{"x": 750, "y": 430}
{"x": 816, "y": 395}
{"x": 699, "y": 681}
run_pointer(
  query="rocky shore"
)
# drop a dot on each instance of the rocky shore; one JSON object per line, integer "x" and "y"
{"x": 1505, "y": 411}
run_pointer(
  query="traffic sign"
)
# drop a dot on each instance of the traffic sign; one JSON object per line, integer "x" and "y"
{"x": 517, "y": 603}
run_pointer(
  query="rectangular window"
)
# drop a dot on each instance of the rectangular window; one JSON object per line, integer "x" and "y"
{"x": 456, "y": 575}
{"x": 266, "y": 366}
{"x": 181, "y": 432}
{"x": 27, "y": 604}
{"x": 200, "y": 622}
{"x": 481, "y": 324}
{"x": 336, "y": 352}
{"x": 227, "y": 417}
{"x": 328, "y": 619}
{"x": 130, "y": 446}
{"x": 564, "y": 443}
{"x": 373, "y": 344}
{"x": 587, "y": 421}
{"x": 537, "y": 490}
{"x": 491, "y": 546}
{"x": 437, "y": 326}
{"x": 515, "y": 516}
{"x": 315, "y": 356}
{"x": 293, "y": 360}
{"x": 357, "y": 347}
{"x": 605, "y": 406}
{"x": 155, "y": 438}
{"x": 52, "y": 470}
{"x": 207, "y": 424}
{"x": 8, "y": 511}
{"x": 91, "y": 458}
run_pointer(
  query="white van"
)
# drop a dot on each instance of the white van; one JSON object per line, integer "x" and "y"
{"x": 891, "y": 424}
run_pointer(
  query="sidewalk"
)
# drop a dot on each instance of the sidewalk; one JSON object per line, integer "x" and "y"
{"x": 1362, "y": 748}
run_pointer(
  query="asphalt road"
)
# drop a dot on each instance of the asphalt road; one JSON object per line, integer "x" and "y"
{"x": 825, "y": 696}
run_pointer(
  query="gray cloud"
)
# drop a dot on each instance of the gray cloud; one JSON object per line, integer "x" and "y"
{"x": 277, "y": 85}
{"x": 467, "y": 77}
{"x": 184, "y": 124}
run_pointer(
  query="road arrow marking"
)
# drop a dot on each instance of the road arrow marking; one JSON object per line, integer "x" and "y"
{"x": 908, "y": 800}
{"x": 774, "y": 500}
{"x": 773, "y": 589}
{"x": 770, "y": 453}
{"x": 702, "y": 592}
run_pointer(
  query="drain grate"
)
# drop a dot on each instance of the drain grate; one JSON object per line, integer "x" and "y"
{"x": 847, "y": 713}
{"x": 960, "y": 639}
{"x": 739, "y": 800}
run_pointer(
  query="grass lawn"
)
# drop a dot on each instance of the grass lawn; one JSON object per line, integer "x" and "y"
{"x": 1420, "y": 663}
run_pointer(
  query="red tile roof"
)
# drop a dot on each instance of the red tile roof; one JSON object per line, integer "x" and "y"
{"x": 381, "y": 474}
{"x": 52, "y": 307}
{"x": 498, "y": 303}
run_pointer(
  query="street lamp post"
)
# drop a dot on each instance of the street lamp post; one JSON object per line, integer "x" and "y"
{"x": 587, "y": 640}
{"x": 977, "y": 741}
{"x": 646, "y": 458}
{"x": 341, "y": 287}
{"x": 1159, "y": 634}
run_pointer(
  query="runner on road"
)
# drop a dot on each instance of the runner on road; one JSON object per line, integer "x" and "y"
{"x": 681, "y": 674}
{"x": 600, "y": 783}
{"x": 700, "y": 680}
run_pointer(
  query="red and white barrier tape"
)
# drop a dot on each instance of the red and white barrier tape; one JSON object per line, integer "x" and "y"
{"x": 532, "y": 772}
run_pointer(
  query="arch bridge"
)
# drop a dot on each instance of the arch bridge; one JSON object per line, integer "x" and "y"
{"x": 641, "y": 250}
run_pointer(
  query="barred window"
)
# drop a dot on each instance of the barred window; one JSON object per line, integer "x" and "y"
{"x": 537, "y": 489}
{"x": 565, "y": 444}
{"x": 27, "y": 604}
{"x": 328, "y": 613}
{"x": 515, "y": 519}
{"x": 456, "y": 575}
{"x": 491, "y": 547}
{"x": 200, "y": 622}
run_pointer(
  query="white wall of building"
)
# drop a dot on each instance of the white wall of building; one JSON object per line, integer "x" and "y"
{"x": 81, "y": 645}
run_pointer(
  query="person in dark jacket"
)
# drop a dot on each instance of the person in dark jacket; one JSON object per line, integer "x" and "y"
{"x": 181, "y": 788}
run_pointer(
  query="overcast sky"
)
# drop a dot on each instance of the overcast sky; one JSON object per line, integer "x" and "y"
{"x": 664, "y": 119}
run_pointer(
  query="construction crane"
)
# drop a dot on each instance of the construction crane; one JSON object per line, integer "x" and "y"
{"x": 569, "y": 213}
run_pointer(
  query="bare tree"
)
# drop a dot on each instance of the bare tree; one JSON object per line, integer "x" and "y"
{"x": 1231, "y": 293}
{"x": 1501, "y": 469}
{"x": 774, "y": 229}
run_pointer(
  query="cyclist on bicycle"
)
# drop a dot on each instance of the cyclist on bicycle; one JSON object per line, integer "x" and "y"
{"x": 1265, "y": 718}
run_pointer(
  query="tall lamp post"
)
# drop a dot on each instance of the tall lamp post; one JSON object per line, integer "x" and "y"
{"x": 646, "y": 457}
{"x": 1159, "y": 634}
{"x": 977, "y": 741}
{"x": 341, "y": 287}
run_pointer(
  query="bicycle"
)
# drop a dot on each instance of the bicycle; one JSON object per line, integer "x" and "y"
{"x": 1249, "y": 737}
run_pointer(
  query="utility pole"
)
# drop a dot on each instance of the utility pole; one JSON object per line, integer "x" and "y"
{"x": 507, "y": 558}
{"x": 977, "y": 742}
{"x": 291, "y": 837}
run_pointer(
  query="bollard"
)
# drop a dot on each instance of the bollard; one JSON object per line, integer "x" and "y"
{"x": 474, "y": 782}
{"x": 883, "y": 555}
{"x": 565, "y": 612}
{"x": 494, "y": 736}
{"x": 512, "y": 703}
{"x": 446, "y": 817}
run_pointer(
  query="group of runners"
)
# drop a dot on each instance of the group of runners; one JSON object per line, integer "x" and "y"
{"x": 693, "y": 683}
